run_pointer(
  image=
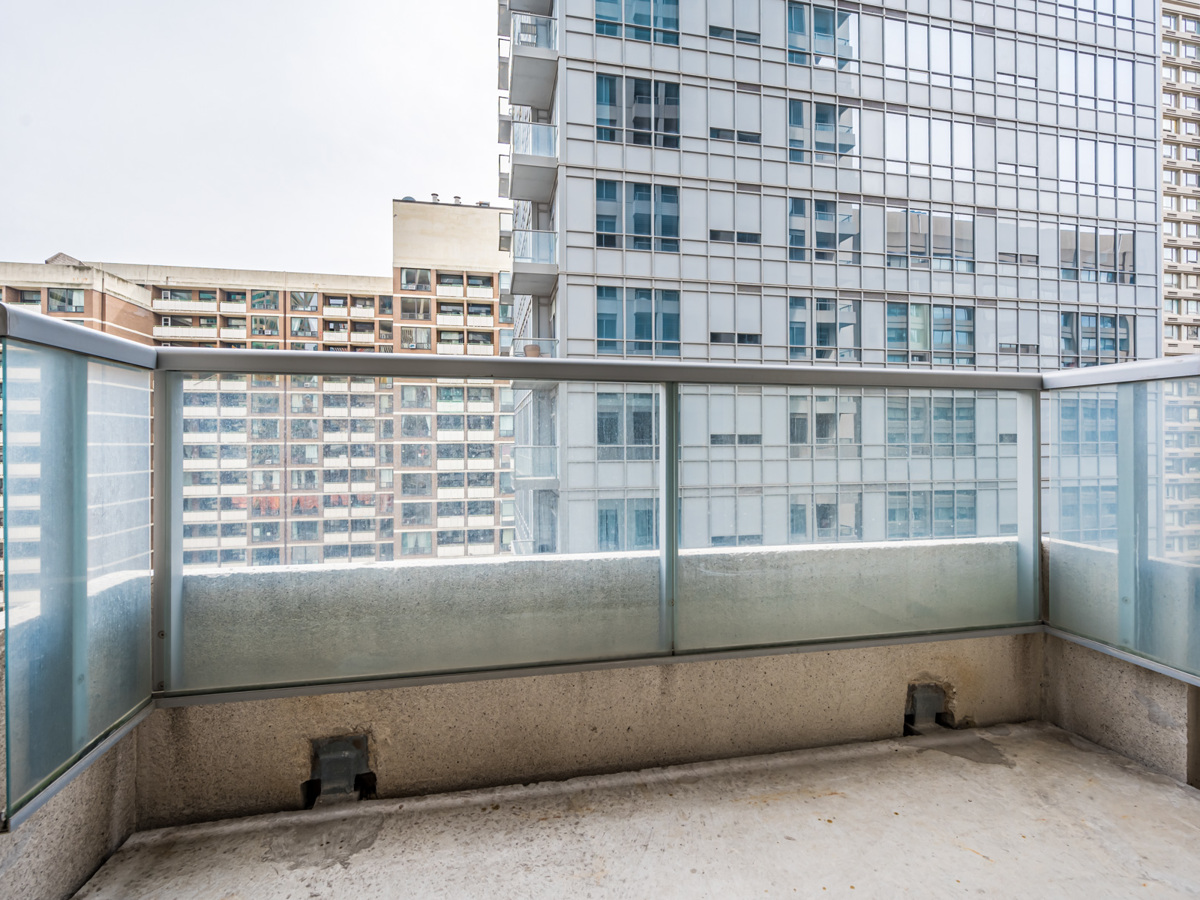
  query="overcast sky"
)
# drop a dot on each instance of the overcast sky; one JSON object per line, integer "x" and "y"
{"x": 265, "y": 134}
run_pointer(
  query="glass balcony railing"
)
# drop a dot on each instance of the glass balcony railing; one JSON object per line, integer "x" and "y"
{"x": 534, "y": 347}
{"x": 535, "y": 462}
{"x": 533, "y": 139}
{"x": 312, "y": 517}
{"x": 539, "y": 32}
{"x": 535, "y": 247}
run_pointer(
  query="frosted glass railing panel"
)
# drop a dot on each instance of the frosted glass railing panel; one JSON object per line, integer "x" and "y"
{"x": 535, "y": 247}
{"x": 339, "y": 528}
{"x": 816, "y": 513}
{"x": 534, "y": 31}
{"x": 1122, "y": 516}
{"x": 76, "y": 555}
{"x": 534, "y": 139}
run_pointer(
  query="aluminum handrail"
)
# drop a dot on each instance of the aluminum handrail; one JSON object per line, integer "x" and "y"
{"x": 37, "y": 328}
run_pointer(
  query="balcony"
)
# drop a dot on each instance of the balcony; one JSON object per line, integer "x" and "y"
{"x": 185, "y": 333}
{"x": 233, "y": 334}
{"x": 539, "y": 464}
{"x": 184, "y": 307}
{"x": 533, "y": 347}
{"x": 505, "y": 245}
{"x": 535, "y": 262}
{"x": 335, "y": 337}
{"x": 362, "y": 312}
{"x": 336, "y": 312}
{"x": 534, "y": 166}
{"x": 533, "y": 65}
{"x": 362, "y": 337}
{"x": 535, "y": 7}
{"x": 708, "y": 561}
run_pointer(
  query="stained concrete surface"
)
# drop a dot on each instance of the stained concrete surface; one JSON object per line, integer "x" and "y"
{"x": 1009, "y": 811}
{"x": 206, "y": 762}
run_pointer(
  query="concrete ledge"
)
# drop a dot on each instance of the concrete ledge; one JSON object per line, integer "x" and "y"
{"x": 1138, "y": 713}
{"x": 199, "y": 763}
{"x": 62, "y": 845}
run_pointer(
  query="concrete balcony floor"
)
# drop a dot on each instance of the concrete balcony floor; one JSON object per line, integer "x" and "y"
{"x": 1025, "y": 810}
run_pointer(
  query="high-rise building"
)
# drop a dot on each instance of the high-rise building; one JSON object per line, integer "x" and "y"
{"x": 1181, "y": 176}
{"x": 281, "y": 469}
{"x": 966, "y": 185}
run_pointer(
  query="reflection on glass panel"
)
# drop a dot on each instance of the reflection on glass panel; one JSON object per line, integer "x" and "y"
{"x": 317, "y": 488}
{"x": 77, "y": 555}
{"x": 787, "y": 468}
{"x": 1122, "y": 514}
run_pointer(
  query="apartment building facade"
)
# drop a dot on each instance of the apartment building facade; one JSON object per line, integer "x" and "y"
{"x": 281, "y": 469}
{"x": 1181, "y": 176}
{"x": 834, "y": 184}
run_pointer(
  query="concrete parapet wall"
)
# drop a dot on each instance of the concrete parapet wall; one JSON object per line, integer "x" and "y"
{"x": 213, "y": 761}
{"x": 1134, "y": 711}
{"x": 58, "y": 849}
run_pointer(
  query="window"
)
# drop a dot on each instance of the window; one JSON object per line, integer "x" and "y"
{"x": 64, "y": 300}
{"x": 824, "y": 328}
{"x": 647, "y": 114}
{"x": 414, "y": 338}
{"x": 414, "y": 279}
{"x": 730, "y": 34}
{"x": 835, "y": 231}
{"x": 262, "y": 325}
{"x": 303, "y": 301}
{"x": 646, "y": 323}
{"x": 627, "y": 524}
{"x": 264, "y": 300}
{"x": 797, "y": 229}
{"x": 920, "y": 239}
{"x": 626, "y": 426}
{"x": 827, "y": 131}
{"x": 644, "y": 20}
{"x": 822, "y": 36}
{"x": 649, "y": 219}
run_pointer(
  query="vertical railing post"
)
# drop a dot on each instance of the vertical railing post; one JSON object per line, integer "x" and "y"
{"x": 1132, "y": 509}
{"x": 668, "y": 515}
{"x": 166, "y": 540}
{"x": 77, "y": 415}
{"x": 1029, "y": 507}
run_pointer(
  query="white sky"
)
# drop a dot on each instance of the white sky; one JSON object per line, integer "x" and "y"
{"x": 265, "y": 134}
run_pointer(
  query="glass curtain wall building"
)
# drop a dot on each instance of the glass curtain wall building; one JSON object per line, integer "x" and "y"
{"x": 960, "y": 185}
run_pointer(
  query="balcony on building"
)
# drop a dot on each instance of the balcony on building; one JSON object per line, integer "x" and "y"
{"x": 534, "y": 162}
{"x": 533, "y": 7}
{"x": 505, "y": 246}
{"x": 532, "y": 347}
{"x": 535, "y": 262}
{"x": 657, "y": 597}
{"x": 533, "y": 63}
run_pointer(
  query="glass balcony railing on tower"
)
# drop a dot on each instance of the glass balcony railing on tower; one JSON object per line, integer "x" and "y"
{"x": 539, "y": 248}
{"x": 534, "y": 347}
{"x": 535, "y": 262}
{"x": 534, "y": 164}
{"x": 535, "y": 462}
{"x": 533, "y": 65}
{"x": 533, "y": 139}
